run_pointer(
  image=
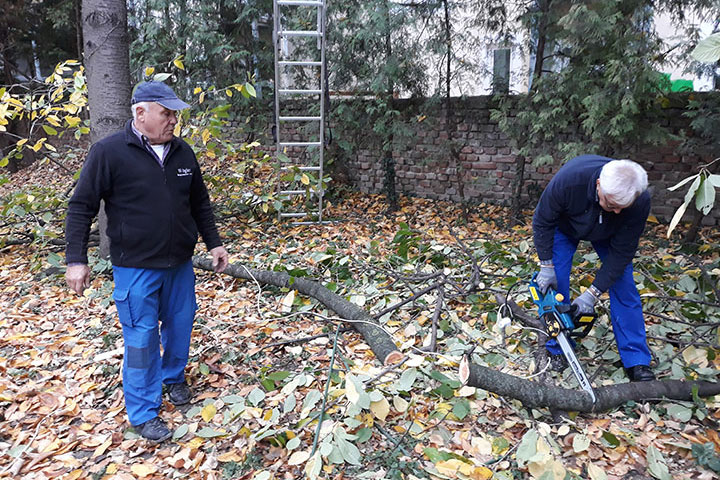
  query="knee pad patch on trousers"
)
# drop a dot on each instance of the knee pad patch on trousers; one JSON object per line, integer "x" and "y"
{"x": 137, "y": 357}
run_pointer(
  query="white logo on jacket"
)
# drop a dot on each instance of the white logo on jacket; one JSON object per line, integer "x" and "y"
{"x": 184, "y": 172}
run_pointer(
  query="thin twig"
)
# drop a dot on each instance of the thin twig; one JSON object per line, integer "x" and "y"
{"x": 325, "y": 395}
{"x": 436, "y": 318}
{"x": 299, "y": 340}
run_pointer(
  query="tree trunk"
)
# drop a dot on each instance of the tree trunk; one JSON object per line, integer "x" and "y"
{"x": 107, "y": 62}
{"x": 388, "y": 160}
{"x": 520, "y": 160}
{"x": 535, "y": 394}
{"x": 379, "y": 341}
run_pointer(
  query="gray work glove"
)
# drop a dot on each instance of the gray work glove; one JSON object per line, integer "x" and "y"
{"x": 585, "y": 303}
{"x": 546, "y": 278}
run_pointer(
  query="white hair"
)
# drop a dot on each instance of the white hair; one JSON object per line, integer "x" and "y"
{"x": 623, "y": 181}
{"x": 145, "y": 106}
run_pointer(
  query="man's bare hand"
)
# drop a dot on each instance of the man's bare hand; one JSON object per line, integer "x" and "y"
{"x": 78, "y": 278}
{"x": 219, "y": 258}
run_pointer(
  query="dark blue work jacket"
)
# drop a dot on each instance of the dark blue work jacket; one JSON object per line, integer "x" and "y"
{"x": 154, "y": 211}
{"x": 570, "y": 204}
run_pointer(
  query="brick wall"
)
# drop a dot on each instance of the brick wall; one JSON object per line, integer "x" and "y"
{"x": 486, "y": 167}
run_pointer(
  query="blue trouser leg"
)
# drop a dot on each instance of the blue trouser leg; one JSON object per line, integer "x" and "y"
{"x": 627, "y": 316}
{"x": 177, "y": 313}
{"x": 563, "y": 250}
{"x": 142, "y": 297}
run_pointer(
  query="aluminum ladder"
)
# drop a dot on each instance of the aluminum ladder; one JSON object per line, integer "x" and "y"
{"x": 293, "y": 154}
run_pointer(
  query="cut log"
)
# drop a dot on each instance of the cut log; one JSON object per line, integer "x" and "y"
{"x": 381, "y": 343}
{"x": 537, "y": 395}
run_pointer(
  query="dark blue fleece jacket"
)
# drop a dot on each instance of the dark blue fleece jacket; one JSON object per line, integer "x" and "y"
{"x": 570, "y": 204}
{"x": 154, "y": 212}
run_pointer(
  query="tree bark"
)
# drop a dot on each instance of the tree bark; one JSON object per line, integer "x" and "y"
{"x": 106, "y": 57}
{"x": 537, "y": 395}
{"x": 379, "y": 341}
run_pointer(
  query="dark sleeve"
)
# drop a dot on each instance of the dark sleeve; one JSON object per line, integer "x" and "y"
{"x": 623, "y": 245}
{"x": 202, "y": 211}
{"x": 552, "y": 204}
{"x": 92, "y": 186}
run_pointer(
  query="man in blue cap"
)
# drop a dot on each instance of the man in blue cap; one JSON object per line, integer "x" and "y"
{"x": 606, "y": 202}
{"x": 156, "y": 204}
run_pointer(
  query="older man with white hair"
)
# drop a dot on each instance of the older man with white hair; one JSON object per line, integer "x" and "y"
{"x": 156, "y": 204}
{"x": 606, "y": 202}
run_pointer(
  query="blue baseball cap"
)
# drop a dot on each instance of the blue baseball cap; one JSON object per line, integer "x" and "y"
{"x": 157, "y": 92}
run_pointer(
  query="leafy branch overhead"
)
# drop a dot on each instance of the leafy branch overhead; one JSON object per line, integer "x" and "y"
{"x": 702, "y": 190}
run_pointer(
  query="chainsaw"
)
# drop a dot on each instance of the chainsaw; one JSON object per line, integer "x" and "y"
{"x": 560, "y": 324}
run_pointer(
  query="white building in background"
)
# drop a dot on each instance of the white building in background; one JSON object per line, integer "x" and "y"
{"x": 516, "y": 61}
{"x": 675, "y": 37}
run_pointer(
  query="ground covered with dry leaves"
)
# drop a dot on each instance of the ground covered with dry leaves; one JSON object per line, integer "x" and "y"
{"x": 260, "y": 358}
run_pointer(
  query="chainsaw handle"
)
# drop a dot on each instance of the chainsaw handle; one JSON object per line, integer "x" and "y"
{"x": 584, "y": 321}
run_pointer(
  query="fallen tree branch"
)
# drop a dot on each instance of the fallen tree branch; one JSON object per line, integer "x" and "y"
{"x": 381, "y": 343}
{"x": 537, "y": 395}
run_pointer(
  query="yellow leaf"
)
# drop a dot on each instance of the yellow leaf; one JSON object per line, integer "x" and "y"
{"x": 202, "y": 97}
{"x": 208, "y": 412}
{"x": 481, "y": 473}
{"x": 287, "y": 302}
{"x": 453, "y": 466}
{"x": 228, "y": 92}
{"x": 696, "y": 356}
{"x": 50, "y": 147}
{"x": 73, "y": 121}
{"x": 178, "y": 63}
{"x": 38, "y": 145}
{"x": 21, "y": 142}
{"x": 143, "y": 469}
{"x": 380, "y": 409}
{"x": 197, "y": 90}
{"x": 595, "y": 472}
{"x": 231, "y": 456}
{"x": 305, "y": 180}
{"x": 298, "y": 457}
{"x": 31, "y": 198}
{"x": 205, "y": 135}
{"x": 102, "y": 447}
{"x": 111, "y": 469}
{"x": 74, "y": 475}
{"x": 195, "y": 443}
{"x": 400, "y": 404}
{"x": 149, "y": 71}
{"x": 651, "y": 219}
{"x": 548, "y": 464}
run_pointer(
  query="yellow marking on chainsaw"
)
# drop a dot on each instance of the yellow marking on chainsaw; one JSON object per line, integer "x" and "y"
{"x": 534, "y": 293}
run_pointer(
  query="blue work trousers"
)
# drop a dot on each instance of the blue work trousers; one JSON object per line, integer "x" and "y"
{"x": 154, "y": 305}
{"x": 625, "y": 305}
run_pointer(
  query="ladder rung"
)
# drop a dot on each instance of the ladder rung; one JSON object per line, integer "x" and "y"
{"x": 304, "y": 3}
{"x": 299, "y": 33}
{"x": 313, "y": 169}
{"x": 303, "y": 92}
{"x": 313, "y": 63}
{"x": 295, "y": 214}
{"x": 299, "y": 144}
{"x": 298, "y": 119}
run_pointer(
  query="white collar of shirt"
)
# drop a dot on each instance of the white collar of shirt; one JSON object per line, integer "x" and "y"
{"x": 160, "y": 149}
